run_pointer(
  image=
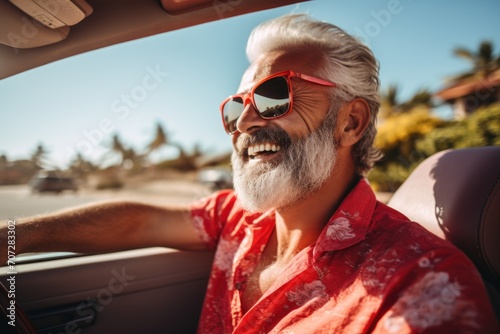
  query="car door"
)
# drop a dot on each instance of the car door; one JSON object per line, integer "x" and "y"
{"x": 152, "y": 290}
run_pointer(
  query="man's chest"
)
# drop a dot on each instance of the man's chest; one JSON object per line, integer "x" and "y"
{"x": 258, "y": 282}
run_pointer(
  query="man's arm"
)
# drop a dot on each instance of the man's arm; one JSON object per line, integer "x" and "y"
{"x": 105, "y": 227}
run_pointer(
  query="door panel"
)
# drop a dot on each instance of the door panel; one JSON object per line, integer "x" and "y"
{"x": 153, "y": 290}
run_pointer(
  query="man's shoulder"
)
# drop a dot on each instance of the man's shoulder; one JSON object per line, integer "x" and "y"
{"x": 394, "y": 227}
{"x": 385, "y": 213}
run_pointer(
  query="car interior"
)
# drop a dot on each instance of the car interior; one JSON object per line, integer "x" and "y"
{"x": 455, "y": 194}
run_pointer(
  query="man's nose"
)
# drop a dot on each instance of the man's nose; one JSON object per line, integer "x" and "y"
{"x": 249, "y": 120}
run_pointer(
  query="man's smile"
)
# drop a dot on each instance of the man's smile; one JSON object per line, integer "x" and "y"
{"x": 263, "y": 149}
{"x": 265, "y": 145}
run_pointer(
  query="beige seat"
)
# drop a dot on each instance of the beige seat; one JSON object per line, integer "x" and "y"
{"x": 456, "y": 195}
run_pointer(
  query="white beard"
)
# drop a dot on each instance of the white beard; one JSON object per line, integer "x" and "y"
{"x": 307, "y": 164}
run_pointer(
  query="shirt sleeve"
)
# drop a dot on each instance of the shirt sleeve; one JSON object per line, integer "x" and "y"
{"x": 209, "y": 215}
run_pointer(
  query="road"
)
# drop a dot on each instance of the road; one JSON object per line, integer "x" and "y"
{"x": 18, "y": 201}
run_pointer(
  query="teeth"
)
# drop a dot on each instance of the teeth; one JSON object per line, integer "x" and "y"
{"x": 267, "y": 147}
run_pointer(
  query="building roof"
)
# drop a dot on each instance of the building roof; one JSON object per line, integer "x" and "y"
{"x": 468, "y": 87}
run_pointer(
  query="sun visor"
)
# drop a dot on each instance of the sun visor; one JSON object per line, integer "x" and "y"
{"x": 28, "y": 24}
{"x": 57, "y": 13}
{"x": 21, "y": 31}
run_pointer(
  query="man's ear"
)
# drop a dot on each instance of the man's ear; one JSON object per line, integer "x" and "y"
{"x": 357, "y": 118}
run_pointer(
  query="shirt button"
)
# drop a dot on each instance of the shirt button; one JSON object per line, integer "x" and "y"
{"x": 238, "y": 285}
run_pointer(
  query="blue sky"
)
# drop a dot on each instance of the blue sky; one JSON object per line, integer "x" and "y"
{"x": 180, "y": 78}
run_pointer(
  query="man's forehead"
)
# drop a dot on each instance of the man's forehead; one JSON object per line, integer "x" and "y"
{"x": 259, "y": 69}
{"x": 299, "y": 60}
{"x": 252, "y": 75}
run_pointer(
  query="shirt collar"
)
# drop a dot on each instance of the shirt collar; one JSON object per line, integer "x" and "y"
{"x": 350, "y": 222}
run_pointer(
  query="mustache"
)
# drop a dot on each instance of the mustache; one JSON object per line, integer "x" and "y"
{"x": 261, "y": 136}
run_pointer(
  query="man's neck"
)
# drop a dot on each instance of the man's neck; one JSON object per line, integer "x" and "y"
{"x": 300, "y": 224}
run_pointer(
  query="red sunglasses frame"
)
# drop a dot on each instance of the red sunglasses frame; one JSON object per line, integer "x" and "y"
{"x": 250, "y": 95}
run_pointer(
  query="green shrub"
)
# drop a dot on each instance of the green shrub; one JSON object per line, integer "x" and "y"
{"x": 407, "y": 139}
{"x": 482, "y": 128}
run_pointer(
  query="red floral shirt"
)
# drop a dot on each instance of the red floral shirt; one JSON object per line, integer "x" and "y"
{"x": 371, "y": 270}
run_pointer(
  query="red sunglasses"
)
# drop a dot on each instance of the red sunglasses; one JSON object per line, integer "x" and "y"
{"x": 272, "y": 97}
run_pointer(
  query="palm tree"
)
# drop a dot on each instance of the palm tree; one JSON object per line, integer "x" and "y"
{"x": 132, "y": 160}
{"x": 159, "y": 140}
{"x": 423, "y": 97}
{"x": 128, "y": 157}
{"x": 391, "y": 106}
{"x": 483, "y": 61}
{"x": 117, "y": 148}
{"x": 117, "y": 145}
{"x": 39, "y": 156}
{"x": 81, "y": 167}
{"x": 389, "y": 102}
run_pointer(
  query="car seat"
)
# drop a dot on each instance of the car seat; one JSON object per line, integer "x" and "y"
{"x": 455, "y": 194}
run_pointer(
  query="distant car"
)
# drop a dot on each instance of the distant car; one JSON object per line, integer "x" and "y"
{"x": 44, "y": 182}
{"x": 216, "y": 178}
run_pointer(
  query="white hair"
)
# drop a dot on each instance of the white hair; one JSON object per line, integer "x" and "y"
{"x": 347, "y": 62}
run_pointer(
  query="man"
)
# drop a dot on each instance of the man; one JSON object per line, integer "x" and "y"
{"x": 302, "y": 244}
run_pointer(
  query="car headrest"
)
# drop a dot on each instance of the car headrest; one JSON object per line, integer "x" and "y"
{"x": 456, "y": 195}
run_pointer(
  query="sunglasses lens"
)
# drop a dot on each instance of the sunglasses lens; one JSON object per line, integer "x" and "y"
{"x": 232, "y": 110}
{"x": 272, "y": 97}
